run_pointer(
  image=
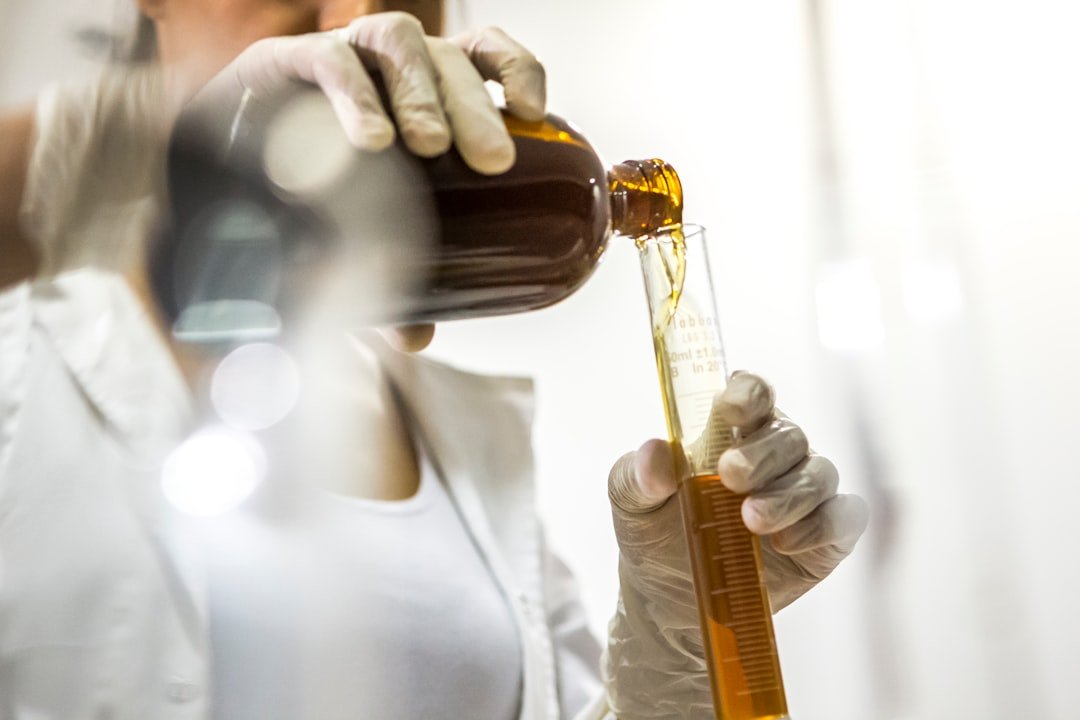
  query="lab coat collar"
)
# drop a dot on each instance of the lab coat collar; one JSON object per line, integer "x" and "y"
{"x": 109, "y": 346}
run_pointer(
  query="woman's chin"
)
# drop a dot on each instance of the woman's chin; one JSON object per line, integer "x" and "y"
{"x": 409, "y": 338}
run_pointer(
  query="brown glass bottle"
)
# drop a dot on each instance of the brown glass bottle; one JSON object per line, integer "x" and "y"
{"x": 533, "y": 235}
{"x": 502, "y": 244}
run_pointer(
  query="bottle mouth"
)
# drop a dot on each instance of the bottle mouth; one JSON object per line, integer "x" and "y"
{"x": 646, "y": 196}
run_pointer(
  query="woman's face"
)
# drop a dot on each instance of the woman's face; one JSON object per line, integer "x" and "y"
{"x": 336, "y": 13}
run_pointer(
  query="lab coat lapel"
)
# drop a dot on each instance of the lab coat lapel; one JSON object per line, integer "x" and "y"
{"x": 477, "y": 430}
{"x": 123, "y": 369}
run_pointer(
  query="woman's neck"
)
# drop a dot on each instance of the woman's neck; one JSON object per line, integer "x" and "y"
{"x": 362, "y": 426}
{"x": 347, "y": 433}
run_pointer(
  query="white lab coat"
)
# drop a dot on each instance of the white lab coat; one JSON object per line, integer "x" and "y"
{"x": 102, "y": 606}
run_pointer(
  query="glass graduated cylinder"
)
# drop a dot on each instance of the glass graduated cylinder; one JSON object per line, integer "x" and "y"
{"x": 736, "y": 618}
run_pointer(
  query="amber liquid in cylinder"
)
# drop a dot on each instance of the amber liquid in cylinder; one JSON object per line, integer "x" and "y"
{"x": 732, "y": 598}
{"x": 725, "y": 557}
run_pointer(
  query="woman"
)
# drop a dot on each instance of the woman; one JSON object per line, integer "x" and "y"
{"x": 105, "y": 609}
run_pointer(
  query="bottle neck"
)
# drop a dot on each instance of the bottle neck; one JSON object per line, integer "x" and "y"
{"x": 646, "y": 196}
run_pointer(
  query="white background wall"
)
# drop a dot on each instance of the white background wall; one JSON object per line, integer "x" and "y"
{"x": 953, "y": 181}
{"x": 953, "y": 178}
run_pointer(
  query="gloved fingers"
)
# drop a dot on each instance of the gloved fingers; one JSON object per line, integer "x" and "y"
{"x": 829, "y": 532}
{"x": 640, "y": 482}
{"x": 331, "y": 63}
{"x": 791, "y": 497}
{"x": 802, "y": 555}
{"x": 763, "y": 456}
{"x": 745, "y": 404}
{"x": 500, "y": 58}
{"x": 394, "y": 43}
{"x": 478, "y": 128}
{"x": 785, "y": 577}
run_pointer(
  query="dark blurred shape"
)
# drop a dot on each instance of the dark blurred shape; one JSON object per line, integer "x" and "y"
{"x": 221, "y": 267}
{"x": 239, "y": 255}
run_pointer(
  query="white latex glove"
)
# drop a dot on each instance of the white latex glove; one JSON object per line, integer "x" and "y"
{"x": 654, "y": 663}
{"x": 435, "y": 85}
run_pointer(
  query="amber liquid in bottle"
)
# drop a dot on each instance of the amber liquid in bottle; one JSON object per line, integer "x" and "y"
{"x": 529, "y": 237}
{"x": 517, "y": 241}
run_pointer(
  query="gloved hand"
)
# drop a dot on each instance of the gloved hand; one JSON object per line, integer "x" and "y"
{"x": 654, "y": 663}
{"x": 435, "y": 85}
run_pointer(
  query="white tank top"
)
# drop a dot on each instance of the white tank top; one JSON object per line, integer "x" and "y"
{"x": 363, "y": 609}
